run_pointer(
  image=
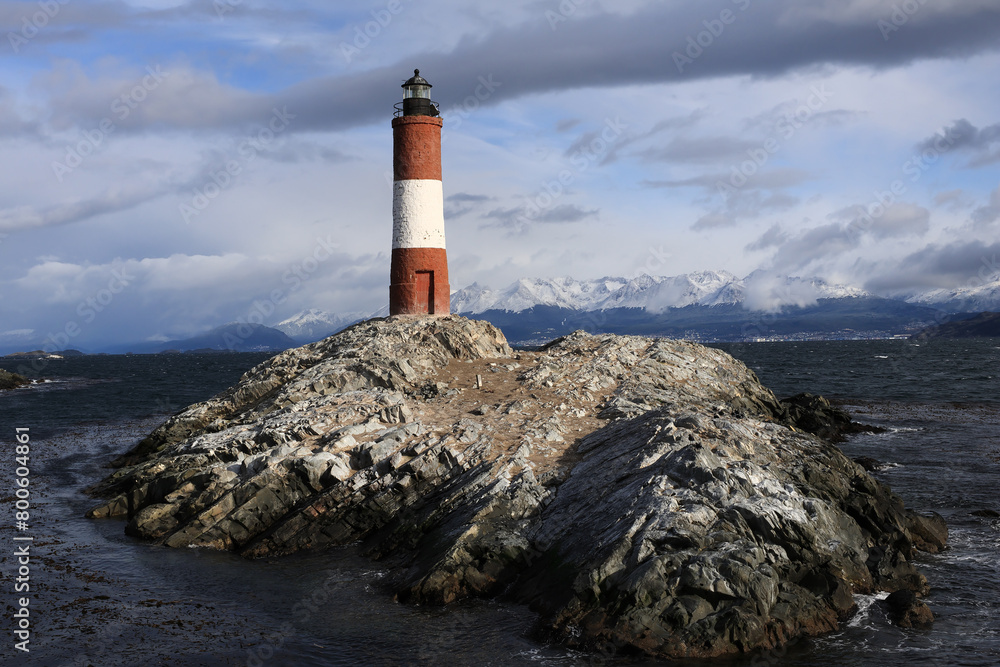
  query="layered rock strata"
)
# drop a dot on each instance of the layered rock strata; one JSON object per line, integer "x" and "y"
{"x": 645, "y": 494}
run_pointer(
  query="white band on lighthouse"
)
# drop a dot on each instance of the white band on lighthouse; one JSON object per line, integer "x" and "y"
{"x": 417, "y": 214}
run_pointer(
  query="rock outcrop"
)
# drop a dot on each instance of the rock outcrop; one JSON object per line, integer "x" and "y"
{"x": 643, "y": 494}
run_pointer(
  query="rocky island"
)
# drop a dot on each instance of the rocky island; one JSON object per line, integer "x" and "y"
{"x": 10, "y": 380}
{"x": 649, "y": 495}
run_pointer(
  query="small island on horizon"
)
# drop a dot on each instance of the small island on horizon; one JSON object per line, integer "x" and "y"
{"x": 11, "y": 380}
{"x": 983, "y": 325}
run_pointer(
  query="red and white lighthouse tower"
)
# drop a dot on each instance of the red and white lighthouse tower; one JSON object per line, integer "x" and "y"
{"x": 418, "y": 279}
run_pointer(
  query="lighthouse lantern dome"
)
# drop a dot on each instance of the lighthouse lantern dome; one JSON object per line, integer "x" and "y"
{"x": 417, "y": 97}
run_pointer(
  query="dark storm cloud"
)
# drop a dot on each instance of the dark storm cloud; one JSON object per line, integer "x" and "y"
{"x": 848, "y": 228}
{"x": 983, "y": 143}
{"x": 612, "y": 50}
{"x": 964, "y": 134}
{"x": 609, "y": 50}
{"x": 951, "y": 265}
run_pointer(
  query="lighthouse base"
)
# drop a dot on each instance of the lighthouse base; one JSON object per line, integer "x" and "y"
{"x": 418, "y": 282}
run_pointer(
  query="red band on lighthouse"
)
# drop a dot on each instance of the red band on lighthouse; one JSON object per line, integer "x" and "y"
{"x": 418, "y": 281}
{"x": 416, "y": 148}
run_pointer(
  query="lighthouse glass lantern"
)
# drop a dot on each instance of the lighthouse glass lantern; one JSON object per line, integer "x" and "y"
{"x": 417, "y": 97}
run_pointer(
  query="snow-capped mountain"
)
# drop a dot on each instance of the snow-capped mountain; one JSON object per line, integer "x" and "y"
{"x": 529, "y": 292}
{"x": 314, "y": 324}
{"x": 758, "y": 291}
{"x": 966, "y": 299}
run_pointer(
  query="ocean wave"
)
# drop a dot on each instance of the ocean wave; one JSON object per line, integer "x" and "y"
{"x": 864, "y": 603}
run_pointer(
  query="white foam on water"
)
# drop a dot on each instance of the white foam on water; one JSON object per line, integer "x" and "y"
{"x": 864, "y": 603}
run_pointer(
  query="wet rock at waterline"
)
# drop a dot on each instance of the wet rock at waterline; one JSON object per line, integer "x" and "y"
{"x": 644, "y": 494}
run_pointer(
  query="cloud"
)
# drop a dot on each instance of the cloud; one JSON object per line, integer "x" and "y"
{"x": 769, "y": 292}
{"x": 898, "y": 220}
{"x": 700, "y": 150}
{"x": 585, "y": 142}
{"x": 986, "y": 215}
{"x": 745, "y": 204}
{"x": 773, "y": 237}
{"x": 519, "y": 218}
{"x": 462, "y": 203}
{"x": 982, "y": 143}
{"x": 296, "y": 151}
{"x": 133, "y": 299}
{"x": 829, "y": 243}
{"x": 12, "y": 120}
{"x": 813, "y": 246}
{"x": 941, "y": 266}
{"x": 114, "y": 199}
{"x": 512, "y": 61}
{"x": 567, "y": 124}
{"x": 953, "y": 200}
{"x": 766, "y": 179}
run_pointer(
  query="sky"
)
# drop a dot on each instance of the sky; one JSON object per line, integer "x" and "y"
{"x": 173, "y": 166}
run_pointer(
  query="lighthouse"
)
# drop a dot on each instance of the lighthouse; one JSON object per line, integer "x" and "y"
{"x": 418, "y": 279}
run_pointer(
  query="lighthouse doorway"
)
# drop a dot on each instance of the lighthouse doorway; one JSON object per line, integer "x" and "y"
{"x": 425, "y": 292}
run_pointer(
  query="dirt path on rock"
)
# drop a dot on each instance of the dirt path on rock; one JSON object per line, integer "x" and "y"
{"x": 518, "y": 415}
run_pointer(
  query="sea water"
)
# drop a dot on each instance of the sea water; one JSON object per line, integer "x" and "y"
{"x": 99, "y": 597}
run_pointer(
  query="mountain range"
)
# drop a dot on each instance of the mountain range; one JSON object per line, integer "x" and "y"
{"x": 758, "y": 291}
{"x": 705, "y": 305}
{"x": 315, "y": 324}
{"x": 232, "y": 337}
{"x": 983, "y": 325}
